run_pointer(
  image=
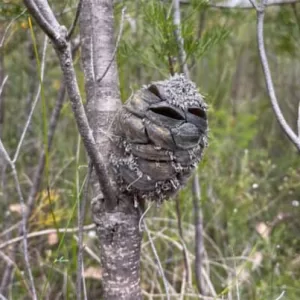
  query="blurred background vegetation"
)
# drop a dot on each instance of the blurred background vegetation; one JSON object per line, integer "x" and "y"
{"x": 249, "y": 177}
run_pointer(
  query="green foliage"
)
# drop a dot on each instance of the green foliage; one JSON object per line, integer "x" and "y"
{"x": 249, "y": 176}
{"x": 287, "y": 37}
{"x": 10, "y": 9}
{"x": 160, "y": 40}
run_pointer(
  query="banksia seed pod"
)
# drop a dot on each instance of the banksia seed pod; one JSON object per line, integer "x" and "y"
{"x": 162, "y": 132}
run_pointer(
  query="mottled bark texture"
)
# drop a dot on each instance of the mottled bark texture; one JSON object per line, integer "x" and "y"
{"x": 117, "y": 224}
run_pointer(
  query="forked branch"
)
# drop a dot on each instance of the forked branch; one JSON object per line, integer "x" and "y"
{"x": 260, "y": 11}
{"x": 44, "y": 16}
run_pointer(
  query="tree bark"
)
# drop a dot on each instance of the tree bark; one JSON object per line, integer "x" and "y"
{"x": 117, "y": 229}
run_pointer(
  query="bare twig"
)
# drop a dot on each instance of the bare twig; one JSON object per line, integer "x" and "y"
{"x": 175, "y": 296}
{"x": 89, "y": 251}
{"x": 185, "y": 254}
{"x": 242, "y": 4}
{"x": 199, "y": 246}
{"x": 4, "y": 80}
{"x": 81, "y": 214}
{"x": 73, "y": 26}
{"x": 85, "y": 297}
{"x": 9, "y": 25}
{"x": 179, "y": 39}
{"x": 45, "y": 232}
{"x": 2, "y": 297}
{"x": 280, "y": 296}
{"x": 260, "y": 10}
{"x": 160, "y": 268}
{"x": 37, "y": 97}
{"x": 7, "y": 276}
{"x": 254, "y": 4}
{"x": 117, "y": 45}
{"x": 298, "y": 121}
{"x": 37, "y": 178}
{"x": 23, "y": 212}
{"x": 196, "y": 184}
{"x": 38, "y": 175}
{"x": 143, "y": 216}
{"x": 3, "y": 84}
{"x": 7, "y": 259}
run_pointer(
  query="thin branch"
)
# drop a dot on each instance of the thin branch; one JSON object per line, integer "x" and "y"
{"x": 3, "y": 84}
{"x": 48, "y": 28}
{"x": 2, "y": 297}
{"x": 298, "y": 120}
{"x": 183, "y": 285}
{"x": 89, "y": 251}
{"x": 242, "y": 4}
{"x": 143, "y": 216}
{"x": 84, "y": 129}
{"x": 8, "y": 260}
{"x": 280, "y": 296}
{"x": 38, "y": 175}
{"x": 64, "y": 53}
{"x": 179, "y": 39}
{"x": 175, "y": 296}
{"x": 37, "y": 97}
{"x": 13, "y": 266}
{"x": 170, "y": 58}
{"x": 117, "y": 45}
{"x": 199, "y": 246}
{"x": 47, "y": 13}
{"x": 184, "y": 251}
{"x": 9, "y": 230}
{"x": 298, "y": 24}
{"x": 37, "y": 178}
{"x": 45, "y": 232}
{"x": 73, "y": 26}
{"x": 23, "y": 212}
{"x": 267, "y": 73}
{"x": 196, "y": 184}
{"x": 9, "y": 25}
{"x": 254, "y": 4}
{"x": 160, "y": 268}
{"x": 7, "y": 276}
{"x": 85, "y": 297}
{"x": 81, "y": 214}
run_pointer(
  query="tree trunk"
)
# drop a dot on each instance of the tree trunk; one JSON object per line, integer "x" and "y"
{"x": 117, "y": 229}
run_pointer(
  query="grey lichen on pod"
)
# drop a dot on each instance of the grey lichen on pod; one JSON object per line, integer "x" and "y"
{"x": 162, "y": 132}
